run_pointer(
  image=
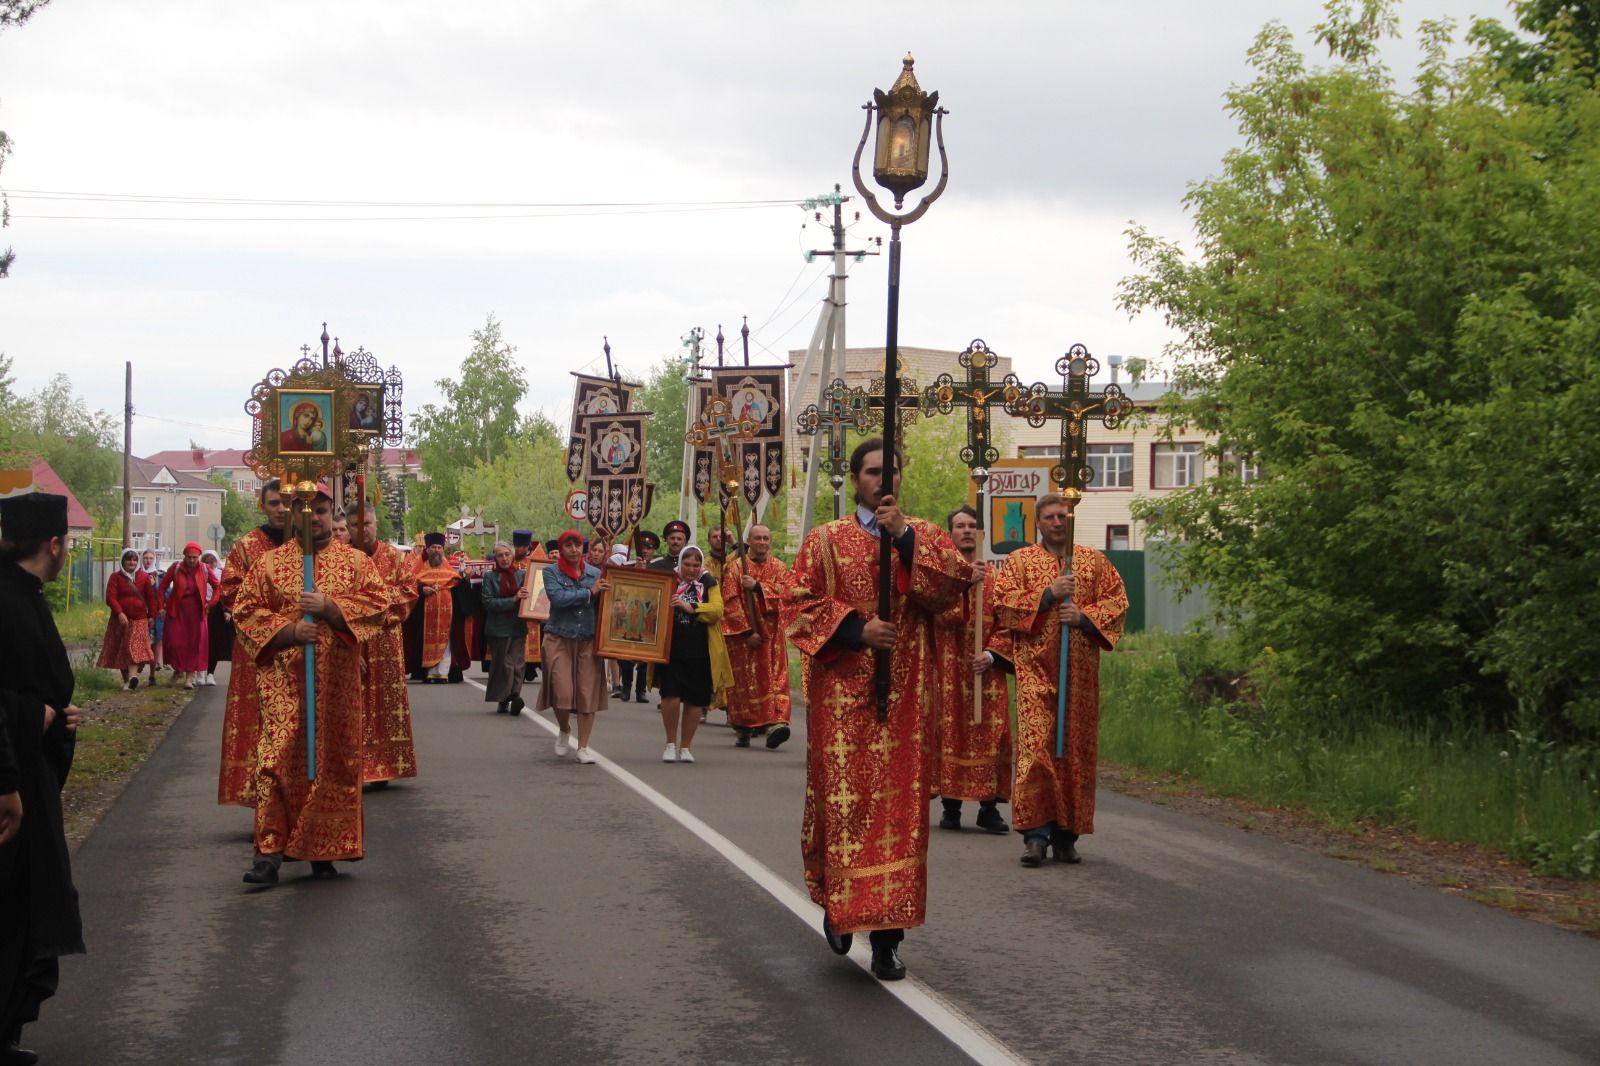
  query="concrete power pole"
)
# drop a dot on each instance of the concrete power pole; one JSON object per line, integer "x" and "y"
{"x": 127, "y": 457}
{"x": 829, "y": 338}
{"x": 686, "y": 499}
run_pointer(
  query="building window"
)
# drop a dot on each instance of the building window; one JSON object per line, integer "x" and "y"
{"x": 1039, "y": 451}
{"x": 1116, "y": 538}
{"x": 1112, "y": 465}
{"x": 1177, "y": 466}
{"x": 191, "y": 507}
{"x": 138, "y": 505}
{"x": 155, "y": 541}
{"x": 138, "y": 541}
{"x": 158, "y": 506}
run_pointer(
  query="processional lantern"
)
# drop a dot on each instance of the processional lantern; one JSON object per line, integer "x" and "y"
{"x": 905, "y": 121}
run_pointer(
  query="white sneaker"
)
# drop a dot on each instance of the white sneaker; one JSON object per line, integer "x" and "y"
{"x": 584, "y": 756}
{"x": 685, "y": 755}
{"x": 210, "y": 681}
{"x": 563, "y": 742}
{"x": 670, "y": 753}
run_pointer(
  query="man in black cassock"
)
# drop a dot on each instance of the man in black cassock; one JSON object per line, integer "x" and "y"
{"x": 39, "y": 922}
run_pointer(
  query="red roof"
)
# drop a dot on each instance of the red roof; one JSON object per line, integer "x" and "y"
{"x": 45, "y": 480}
{"x": 192, "y": 459}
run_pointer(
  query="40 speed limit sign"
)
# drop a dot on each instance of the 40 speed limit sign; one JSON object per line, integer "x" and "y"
{"x": 577, "y": 505}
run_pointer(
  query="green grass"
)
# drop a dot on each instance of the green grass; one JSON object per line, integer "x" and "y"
{"x": 83, "y": 623}
{"x": 1539, "y": 804}
{"x": 91, "y": 681}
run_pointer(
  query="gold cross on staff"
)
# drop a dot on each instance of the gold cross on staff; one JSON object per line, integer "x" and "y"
{"x": 842, "y": 409}
{"x": 1074, "y": 405}
{"x": 717, "y": 428}
{"x": 977, "y": 394}
{"x": 910, "y": 404}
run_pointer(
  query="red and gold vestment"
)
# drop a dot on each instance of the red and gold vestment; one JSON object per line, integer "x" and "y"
{"x": 864, "y": 839}
{"x": 1048, "y": 789}
{"x": 437, "y": 611}
{"x": 760, "y": 693}
{"x": 321, "y": 819}
{"x": 387, "y": 748}
{"x": 971, "y": 760}
{"x": 241, "y": 715}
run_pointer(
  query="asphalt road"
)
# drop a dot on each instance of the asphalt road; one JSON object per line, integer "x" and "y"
{"x": 515, "y": 908}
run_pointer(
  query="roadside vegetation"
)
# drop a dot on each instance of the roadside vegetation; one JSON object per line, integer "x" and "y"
{"x": 1189, "y": 705}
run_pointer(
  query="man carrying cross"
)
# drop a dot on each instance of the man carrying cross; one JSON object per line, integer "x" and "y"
{"x": 1037, "y": 598}
{"x": 864, "y": 837}
{"x": 298, "y": 818}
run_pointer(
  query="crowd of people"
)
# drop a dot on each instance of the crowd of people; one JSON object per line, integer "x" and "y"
{"x": 378, "y": 618}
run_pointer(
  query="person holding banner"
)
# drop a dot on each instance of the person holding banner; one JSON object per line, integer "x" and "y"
{"x": 971, "y": 748}
{"x": 864, "y": 837}
{"x": 1038, "y": 597}
{"x": 296, "y": 817}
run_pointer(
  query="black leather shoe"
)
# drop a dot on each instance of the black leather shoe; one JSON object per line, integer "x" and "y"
{"x": 517, "y": 703}
{"x": 501, "y": 708}
{"x": 886, "y": 964}
{"x": 744, "y": 739}
{"x": 989, "y": 821}
{"x": 779, "y": 734}
{"x": 322, "y": 870}
{"x": 950, "y": 820}
{"x": 261, "y": 872}
{"x": 618, "y": 694}
{"x": 1033, "y": 853}
{"x": 13, "y": 1054}
{"x": 839, "y": 942}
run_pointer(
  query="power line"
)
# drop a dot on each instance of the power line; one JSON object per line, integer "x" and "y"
{"x": 397, "y": 218}
{"x": 53, "y": 194}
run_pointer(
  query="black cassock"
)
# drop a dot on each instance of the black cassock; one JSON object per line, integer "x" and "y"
{"x": 39, "y": 921}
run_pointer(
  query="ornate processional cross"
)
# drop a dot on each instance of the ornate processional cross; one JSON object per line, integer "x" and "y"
{"x": 1074, "y": 405}
{"x": 842, "y": 409}
{"x": 978, "y": 395}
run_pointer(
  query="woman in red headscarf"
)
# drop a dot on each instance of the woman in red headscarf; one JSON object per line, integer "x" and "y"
{"x": 574, "y": 684}
{"x": 189, "y": 590}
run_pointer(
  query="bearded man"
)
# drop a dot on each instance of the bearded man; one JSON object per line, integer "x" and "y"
{"x": 241, "y": 717}
{"x": 755, "y": 586}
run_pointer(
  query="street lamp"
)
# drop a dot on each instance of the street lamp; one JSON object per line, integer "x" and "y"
{"x": 900, "y": 165}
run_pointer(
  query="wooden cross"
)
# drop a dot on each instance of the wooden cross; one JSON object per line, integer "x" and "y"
{"x": 1074, "y": 405}
{"x": 842, "y": 409}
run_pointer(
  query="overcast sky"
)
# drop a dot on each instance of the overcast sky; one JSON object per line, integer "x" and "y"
{"x": 1068, "y": 119}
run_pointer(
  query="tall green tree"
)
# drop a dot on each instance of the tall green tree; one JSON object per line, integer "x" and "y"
{"x": 80, "y": 444}
{"x": 524, "y": 487}
{"x": 239, "y": 512}
{"x": 475, "y": 422}
{"x": 1392, "y": 306}
{"x": 665, "y": 394}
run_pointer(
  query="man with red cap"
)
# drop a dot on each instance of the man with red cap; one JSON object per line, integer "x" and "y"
{"x": 296, "y": 817}
{"x": 39, "y": 919}
{"x": 188, "y": 590}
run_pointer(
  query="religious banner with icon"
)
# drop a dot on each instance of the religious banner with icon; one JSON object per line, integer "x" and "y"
{"x": 755, "y": 395}
{"x": 614, "y": 470}
{"x": 593, "y": 396}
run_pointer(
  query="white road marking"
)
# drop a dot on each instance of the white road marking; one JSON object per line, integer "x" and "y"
{"x": 976, "y": 1042}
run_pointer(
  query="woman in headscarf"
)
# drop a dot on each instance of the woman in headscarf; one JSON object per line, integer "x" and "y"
{"x": 131, "y": 595}
{"x": 189, "y": 591}
{"x": 698, "y": 663}
{"x": 574, "y": 684}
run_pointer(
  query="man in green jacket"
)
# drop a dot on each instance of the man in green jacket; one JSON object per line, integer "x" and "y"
{"x": 504, "y": 632}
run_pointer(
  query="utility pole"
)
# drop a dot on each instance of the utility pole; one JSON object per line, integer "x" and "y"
{"x": 686, "y": 481}
{"x": 829, "y": 339}
{"x": 127, "y": 456}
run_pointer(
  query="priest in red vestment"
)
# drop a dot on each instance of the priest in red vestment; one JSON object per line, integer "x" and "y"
{"x": 432, "y": 616}
{"x": 864, "y": 837}
{"x": 241, "y": 715}
{"x": 971, "y": 759}
{"x": 297, "y": 818}
{"x": 1037, "y": 597}
{"x": 753, "y": 590}
{"x": 388, "y": 751}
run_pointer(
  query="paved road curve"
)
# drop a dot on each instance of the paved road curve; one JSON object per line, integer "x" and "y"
{"x": 519, "y": 909}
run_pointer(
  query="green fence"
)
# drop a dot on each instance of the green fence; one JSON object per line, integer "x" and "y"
{"x": 1152, "y": 604}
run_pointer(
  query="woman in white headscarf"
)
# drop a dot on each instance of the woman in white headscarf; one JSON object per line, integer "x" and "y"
{"x": 699, "y": 659}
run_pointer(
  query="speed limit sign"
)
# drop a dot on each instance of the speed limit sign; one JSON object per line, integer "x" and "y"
{"x": 577, "y": 505}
